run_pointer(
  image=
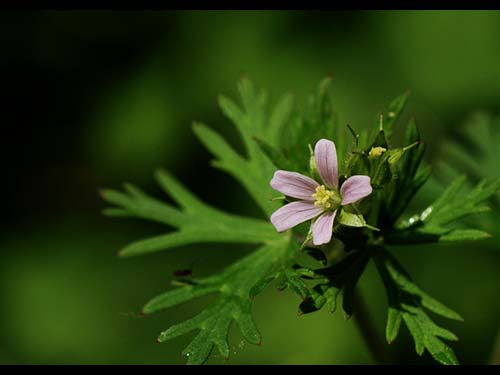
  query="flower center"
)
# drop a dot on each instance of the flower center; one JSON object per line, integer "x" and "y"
{"x": 326, "y": 199}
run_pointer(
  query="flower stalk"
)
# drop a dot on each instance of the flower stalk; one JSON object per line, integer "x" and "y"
{"x": 368, "y": 331}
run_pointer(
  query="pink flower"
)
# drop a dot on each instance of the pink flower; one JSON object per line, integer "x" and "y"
{"x": 315, "y": 200}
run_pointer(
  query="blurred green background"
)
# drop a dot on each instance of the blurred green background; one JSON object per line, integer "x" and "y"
{"x": 92, "y": 99}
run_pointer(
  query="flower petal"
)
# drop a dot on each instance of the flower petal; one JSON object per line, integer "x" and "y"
{"x": 355, "y": 188}
{"x": 325, "y": 154}
{"x": 294, "y": 185}
{"x": 293, "y": 214}
{"x": 323, "y": 227}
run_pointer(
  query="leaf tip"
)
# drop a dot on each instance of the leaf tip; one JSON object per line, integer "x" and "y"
{"x": 127, "y": 252}
{"x": 160, "y": 172}
{"x": 102, "y": 192}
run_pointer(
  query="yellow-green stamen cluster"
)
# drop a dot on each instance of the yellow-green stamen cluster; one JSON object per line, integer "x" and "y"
{"x": 376, "y": 152}
{"x": 325, "y": 198}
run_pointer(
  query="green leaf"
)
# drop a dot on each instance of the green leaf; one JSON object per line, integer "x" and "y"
{"x": 279, "y": 118}
{"x": 394, "y": 318}
{"x": 144, "y": 208}
{"x": 276, "y": 156}
{"x": 464, "y": 235}
{"x": 434, "y": 234}
{"x": 286, "y": 276}
{"x": 196, "y": 221}
{"x": 351, "y": 219}
{"x": 453, "y": 205}
{"x": 472, "y": 151}
{"x": 435, "y": 223}
{"x": 233, "y": 287}
{"x": 253, "y": 169}
{"x": 178, "y": 296}
{"x": 407, "y": 303}
{"x": 261, "y": 285}
{"x": 254, "y": 175}
{"x": 334, "y": 281}
{"x": 115, "y": 212}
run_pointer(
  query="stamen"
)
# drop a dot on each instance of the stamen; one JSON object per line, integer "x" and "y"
{"x": 376, "y": 152}
{"x": 323, "y": 197}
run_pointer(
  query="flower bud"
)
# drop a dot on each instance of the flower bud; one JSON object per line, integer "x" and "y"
{"x": 358, "y": 164}
{"x": 313, "y": 170}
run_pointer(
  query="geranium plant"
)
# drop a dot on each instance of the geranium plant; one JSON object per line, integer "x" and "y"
{"x": 343, "y": 203}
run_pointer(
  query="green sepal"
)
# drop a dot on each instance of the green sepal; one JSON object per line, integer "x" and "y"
{"x": 351, "y": 219}
{"x": 358, "y": 163}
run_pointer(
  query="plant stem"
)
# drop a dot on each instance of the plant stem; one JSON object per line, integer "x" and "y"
{"x": 368, "y": 331}
{"x": 495, "y": 354}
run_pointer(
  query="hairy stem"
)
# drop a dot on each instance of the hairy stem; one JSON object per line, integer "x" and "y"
{"x": 365, "y": 324}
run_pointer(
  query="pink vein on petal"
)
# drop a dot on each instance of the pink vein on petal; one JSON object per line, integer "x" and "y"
{"x": 293, "y": 214}
{"x": 294, "y": 185}
{"x": 322, "y": 228}
{"x": 355, "y": 188}
{"x": 325, "y": 155}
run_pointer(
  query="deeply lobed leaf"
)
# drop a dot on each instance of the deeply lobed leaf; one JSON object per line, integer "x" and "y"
{"x": 406, "y": 303}
{"x": 233, "y": 286}
{"x": 196, "y": 222}
{"x": 269, "y": 144}
{"x": 435, "y": 223}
